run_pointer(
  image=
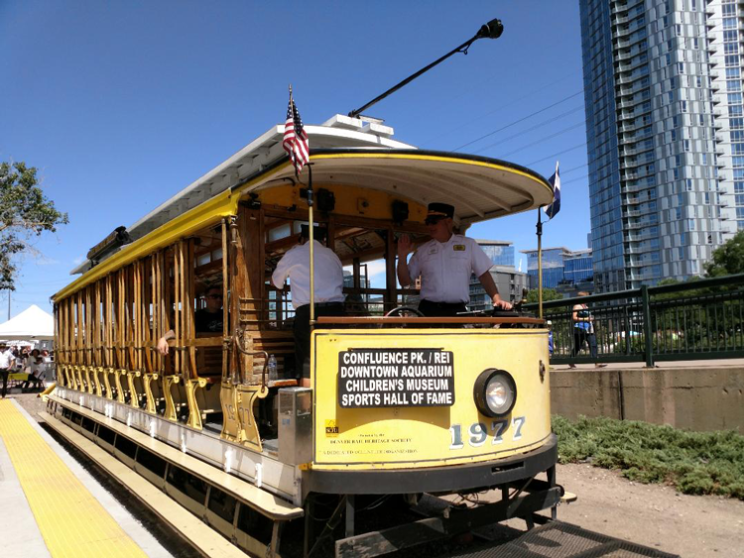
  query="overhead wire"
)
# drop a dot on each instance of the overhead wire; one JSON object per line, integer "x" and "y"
{"x": 532, "y": 129}
{"x": 574, "y": 169}
{"x": 583, "y": 176}
{"x": 556, "y": 154}
{"x": 514, "y": 123}
{"x": 546, "y": 138}
{"x": 550, "y": 84}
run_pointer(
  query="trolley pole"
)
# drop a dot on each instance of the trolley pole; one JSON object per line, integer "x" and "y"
{"x": 491, "y": 30}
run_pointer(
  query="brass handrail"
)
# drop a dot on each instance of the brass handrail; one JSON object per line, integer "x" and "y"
{"x": 237, "y": 339}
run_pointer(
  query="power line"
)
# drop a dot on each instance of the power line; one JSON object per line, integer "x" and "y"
{"x": 573, "y": 169}
{"x": 546, "y": 138}
{"x": 550, "y": 84}
{"x": 556, "y": 154}
{"x": 520, "y": 120}
{"x": 535, "y": 127}
{"x": 583, "y": 176}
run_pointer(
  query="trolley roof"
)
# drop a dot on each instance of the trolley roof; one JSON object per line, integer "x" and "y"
{"x": 261, "y": 153}
{"x": 479, "y": 188}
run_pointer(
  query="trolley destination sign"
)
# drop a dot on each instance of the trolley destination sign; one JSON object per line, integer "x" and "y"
{"x": 396, "y": 378}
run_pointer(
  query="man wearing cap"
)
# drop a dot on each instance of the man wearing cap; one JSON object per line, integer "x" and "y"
{"x": 329, "y": 297}
{"x": 445, "y": 264}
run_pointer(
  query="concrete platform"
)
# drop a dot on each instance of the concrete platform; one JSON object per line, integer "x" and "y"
{"x": 52, "y": 507}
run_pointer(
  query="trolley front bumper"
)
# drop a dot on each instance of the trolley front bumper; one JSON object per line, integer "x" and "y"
{"x": 434, "y": 480}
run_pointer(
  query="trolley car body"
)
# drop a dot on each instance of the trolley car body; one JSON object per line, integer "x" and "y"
{"x": 372, "y": 422}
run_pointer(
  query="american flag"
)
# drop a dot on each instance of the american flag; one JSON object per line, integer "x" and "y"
{"x": 295, "y": 140}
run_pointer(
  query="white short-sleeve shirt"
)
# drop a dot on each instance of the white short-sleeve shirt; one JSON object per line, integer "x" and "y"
{"x": 329, "y": 274}
{"x": 445, "y": 268}
{"x": 6, "y": 357}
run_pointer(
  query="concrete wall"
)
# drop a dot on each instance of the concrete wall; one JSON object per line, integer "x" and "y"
{"x": 701, "y": 398}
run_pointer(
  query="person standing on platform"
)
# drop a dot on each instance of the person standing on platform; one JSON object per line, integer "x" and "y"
{"x": 329, "y": 297}
{"x": 7, "y": 362}
{"x": 583, "y": 323}
{"x": 445, "y": 264}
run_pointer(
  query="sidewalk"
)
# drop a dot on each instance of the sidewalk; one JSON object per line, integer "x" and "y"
{"x": 53, "y": 507}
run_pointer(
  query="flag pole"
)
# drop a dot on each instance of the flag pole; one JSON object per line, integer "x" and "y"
{"x": 552, "y": 210}
{"x": 539, "y": 266}
{"x": 312, "y": 247}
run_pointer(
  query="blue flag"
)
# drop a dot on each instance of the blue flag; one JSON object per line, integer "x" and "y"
{"x": 555, "y": 181}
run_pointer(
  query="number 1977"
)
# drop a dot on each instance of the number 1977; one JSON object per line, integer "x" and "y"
{"x": 478, "y": 433}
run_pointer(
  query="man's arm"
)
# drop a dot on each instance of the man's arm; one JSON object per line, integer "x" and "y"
{"x": 163, "y": 342}
{"x": 492, "y": 290}
{"x": 404, "y": 248}
{"x": 575, "y": 316}
{"x": 279, "y": 277}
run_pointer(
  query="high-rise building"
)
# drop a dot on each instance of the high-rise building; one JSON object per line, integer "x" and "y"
{"x": 724, "y": 28}
{"x": 662, "y": 134}
{"x": 510, "y": 283}
{"x": 578, "y": 267}
{"x": 501, "y": 252}
{"x": 508, "y": 280}
{"x": 562, "y": 269}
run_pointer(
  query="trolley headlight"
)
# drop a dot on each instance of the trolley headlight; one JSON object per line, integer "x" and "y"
{"x": 495, "y": 393}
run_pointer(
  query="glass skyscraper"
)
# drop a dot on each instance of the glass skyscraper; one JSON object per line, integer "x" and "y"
{"x": 501, "y": 252}
{"x": 577, "y": 267}
{"x": 723, "y": 25}
{"x": 560, "y": 266}
{"x": 508, "y": 280}
{"x": 661, "y": 164}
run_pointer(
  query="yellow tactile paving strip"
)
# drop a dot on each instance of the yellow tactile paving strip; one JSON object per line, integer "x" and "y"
{"x": 73, "y": 523}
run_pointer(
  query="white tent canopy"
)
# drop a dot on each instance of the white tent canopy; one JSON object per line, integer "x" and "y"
{"x": 32, "y": 323}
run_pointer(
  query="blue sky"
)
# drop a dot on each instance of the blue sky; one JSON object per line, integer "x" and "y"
{"x": 121, "y": 104}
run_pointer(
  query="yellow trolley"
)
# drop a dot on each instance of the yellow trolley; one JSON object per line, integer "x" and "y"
{"x": 401, "y": 411}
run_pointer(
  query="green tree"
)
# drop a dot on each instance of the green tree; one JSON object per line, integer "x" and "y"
{"x": 680, "y": 294}
{"x": 24, "y": 213}
{"x": 727, "y": 259}
{"x": 548, "y": 294}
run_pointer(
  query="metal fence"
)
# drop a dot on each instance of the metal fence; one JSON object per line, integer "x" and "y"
{"x": 694, "y": 320}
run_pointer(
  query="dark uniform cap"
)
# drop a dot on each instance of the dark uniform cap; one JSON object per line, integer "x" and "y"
{"x": 319, "y": 233}
{"x": 439, "y": 211}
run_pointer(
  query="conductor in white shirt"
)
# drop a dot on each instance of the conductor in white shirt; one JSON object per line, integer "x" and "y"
{"x": 445, "y": 264}
{"x": 329, "y": 297}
